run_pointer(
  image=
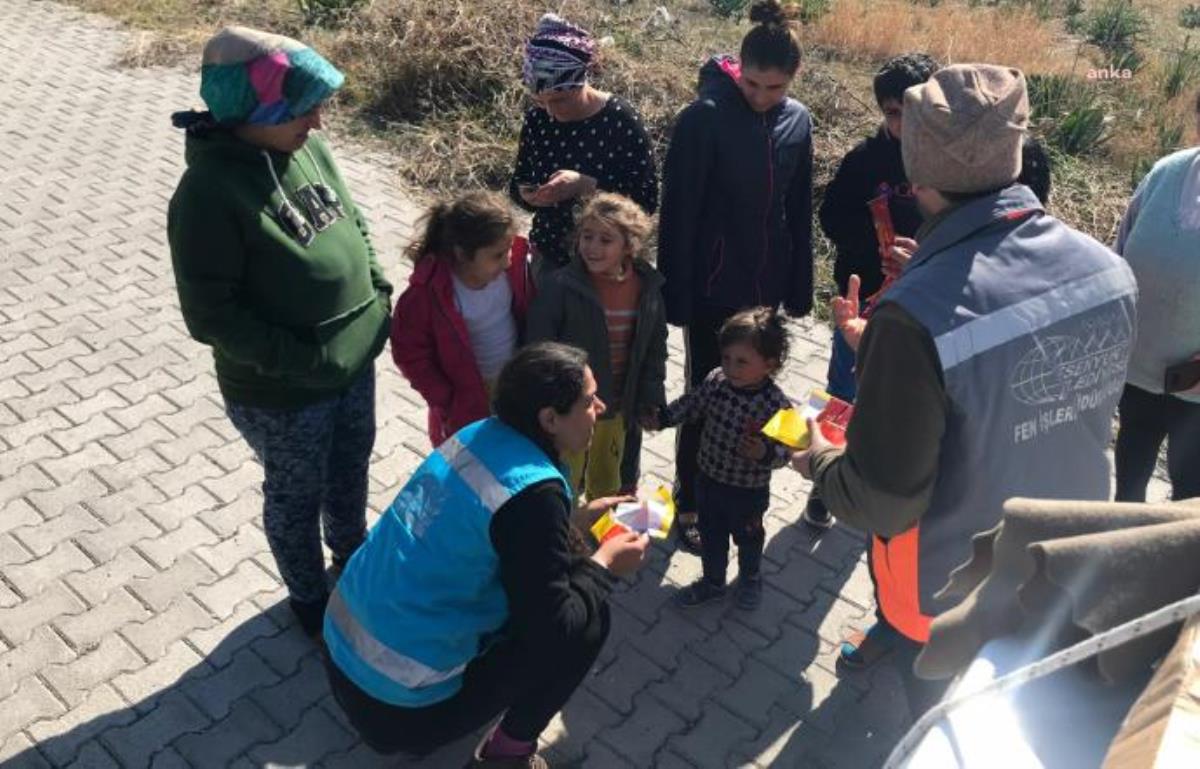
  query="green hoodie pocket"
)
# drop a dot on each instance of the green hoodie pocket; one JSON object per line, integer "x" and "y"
{"x": 349, "y": 341}
{"x": 327, "y": 330}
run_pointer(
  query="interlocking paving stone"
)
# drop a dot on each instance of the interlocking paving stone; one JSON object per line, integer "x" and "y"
{"x": 133, "y": 568}
{"x": 55, "y": 602}
{"x": 87, "y": 628}
{"x": 642, "y": 734}
{"x": 32, "y": 702}
{"x": 43, "y": 649}
{"x": 217, "y": 747}
{"x": 154, "y": 636}
{"x": 109, "y": 658}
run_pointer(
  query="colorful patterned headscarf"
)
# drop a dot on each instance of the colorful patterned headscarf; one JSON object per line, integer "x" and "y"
{"x": 248, "y": 76}
{"x": 558, "y": 55}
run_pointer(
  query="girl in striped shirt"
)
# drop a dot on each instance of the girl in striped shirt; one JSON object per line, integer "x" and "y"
{"x": 608, "y": 301}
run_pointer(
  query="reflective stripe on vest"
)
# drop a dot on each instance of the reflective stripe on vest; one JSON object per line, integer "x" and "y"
{"x": 895, "y": 563}
{"x": 474, "y": 474}
{"x": 1029, "y": 315}
{"x": 381, "y": 658}
{"x": 384, "y": 660}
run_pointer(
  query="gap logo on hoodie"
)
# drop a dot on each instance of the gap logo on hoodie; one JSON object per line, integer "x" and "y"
{"x": 321, "y": 209}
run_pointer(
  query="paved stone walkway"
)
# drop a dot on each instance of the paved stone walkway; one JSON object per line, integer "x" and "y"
{"x": 141, "y": 615}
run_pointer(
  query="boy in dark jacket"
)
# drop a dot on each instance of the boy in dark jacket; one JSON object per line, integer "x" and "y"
{"x": 873, "y": 168}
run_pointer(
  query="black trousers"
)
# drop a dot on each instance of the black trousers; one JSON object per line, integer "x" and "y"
{"x": 921, "y": 694}
{"x": 530, "y": 686}
{"x": 631, "y": 460}
{"x": 701, "y": 355}
{"x": 730, "y": 512}
{"x": 1146, "y": 419}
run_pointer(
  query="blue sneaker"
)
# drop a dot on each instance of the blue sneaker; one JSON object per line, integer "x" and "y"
{"x": 864, "y": 648}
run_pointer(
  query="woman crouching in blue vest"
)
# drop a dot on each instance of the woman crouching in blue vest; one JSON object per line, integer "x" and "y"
{"x": 473, "y": 594}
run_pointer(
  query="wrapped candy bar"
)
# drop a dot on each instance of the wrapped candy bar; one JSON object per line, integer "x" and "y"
{"x": 790, "y": 426}
{"x": 885, "y": 234}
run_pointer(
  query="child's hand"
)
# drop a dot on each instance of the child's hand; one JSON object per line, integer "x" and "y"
{"x": 598, "y": 507}
{"x": 649, "y": 419}
{"x": 895, "y": 258}
{"x": 752, "y": 447}
{"x": 846, "y": 314}
{"x": 586, "y": 515}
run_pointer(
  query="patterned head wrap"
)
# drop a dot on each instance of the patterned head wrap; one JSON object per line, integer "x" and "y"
{"x": 248, "y": 76}
{"x": 558, "y": 55}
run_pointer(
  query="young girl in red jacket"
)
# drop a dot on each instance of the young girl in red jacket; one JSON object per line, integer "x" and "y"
{"x": 460, "y": 319}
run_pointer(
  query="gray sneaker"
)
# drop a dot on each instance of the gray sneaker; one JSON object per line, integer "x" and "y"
{"x": 699, "y": 593}
{"x": 816, "y": 514}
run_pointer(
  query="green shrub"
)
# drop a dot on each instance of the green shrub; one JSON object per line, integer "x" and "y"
{"x": 1189, "y": 17}
{"x": 728, "y": 8}
{"x": 1081, "y": 131}
{"x": 1051, "y": 96}
{"x": 1072, "y": 116}
{"x": 1170, "y": 137}
{"x": 1182, "y": 67}
{"x": 1073, "y": 14}
{"x": 1117, "y": 28}
{"x": 811, "y": 10}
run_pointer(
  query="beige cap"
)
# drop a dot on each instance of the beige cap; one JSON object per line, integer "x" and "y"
{"x": 963, "y": 127}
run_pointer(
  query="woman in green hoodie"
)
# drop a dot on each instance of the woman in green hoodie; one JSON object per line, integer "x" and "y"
{"x": 276, "y": 272}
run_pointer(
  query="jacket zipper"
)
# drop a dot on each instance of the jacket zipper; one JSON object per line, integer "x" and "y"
{"x": 719, "y": 248}
{"x": 639, "y": 335}
{"x": 766, "y": 254}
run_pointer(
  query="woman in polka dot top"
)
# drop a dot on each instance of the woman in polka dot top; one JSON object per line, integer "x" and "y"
{"x": 574, "y": 141}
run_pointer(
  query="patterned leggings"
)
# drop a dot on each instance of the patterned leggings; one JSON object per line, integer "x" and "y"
{"x": 315, "y": 462}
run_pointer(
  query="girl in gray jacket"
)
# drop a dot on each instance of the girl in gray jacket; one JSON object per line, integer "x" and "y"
{"x": 608, "y": 301}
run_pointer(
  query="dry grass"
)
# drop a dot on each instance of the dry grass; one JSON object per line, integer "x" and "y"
{"x": 172, "y": 32}
{"x": 438, "y": 80}
{"x": 1012, "y": 35}
{"x": 443, "y": 78}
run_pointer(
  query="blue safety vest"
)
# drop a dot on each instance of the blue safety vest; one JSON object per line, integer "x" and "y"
{"x": 421, "y": 596}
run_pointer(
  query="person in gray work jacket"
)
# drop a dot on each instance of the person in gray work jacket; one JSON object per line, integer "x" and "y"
{"x": 991, "y": 368}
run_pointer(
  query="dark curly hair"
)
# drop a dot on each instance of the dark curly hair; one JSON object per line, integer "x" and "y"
{"x": 760, "y": 327}
{"x": 1035, "y": 168}
{"x": 773, "y": 43}
{"x": 466, "y": 224}
{"x": 900, "y": 73}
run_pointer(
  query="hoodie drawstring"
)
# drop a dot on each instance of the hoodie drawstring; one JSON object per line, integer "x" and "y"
{"x": 288, "y": 215}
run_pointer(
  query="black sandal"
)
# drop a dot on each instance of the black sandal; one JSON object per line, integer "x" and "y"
{"x": 687, "y": 531}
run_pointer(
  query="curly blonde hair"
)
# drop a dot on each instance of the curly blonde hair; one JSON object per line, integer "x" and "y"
{"x": 623, "y": 215}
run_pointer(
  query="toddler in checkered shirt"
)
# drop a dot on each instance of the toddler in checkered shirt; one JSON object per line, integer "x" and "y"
{"x": 735, "y": 459}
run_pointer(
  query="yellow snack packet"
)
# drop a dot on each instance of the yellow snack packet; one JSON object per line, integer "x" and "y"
{"x": 790, "y": 426}
{"x": 651, "y": 516}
